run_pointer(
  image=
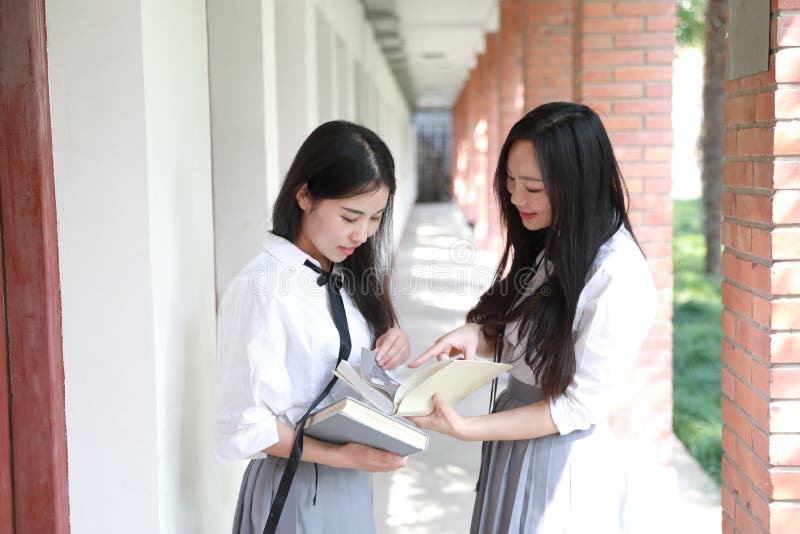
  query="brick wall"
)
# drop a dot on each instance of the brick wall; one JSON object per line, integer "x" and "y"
{"x": 463, "y": 160}
{"x": 480, "y": 143}
{"x": 493, "y": 238}
{"x": 549, "y": 41}
{"x": 617, "y": 57}
{"x": 760, "y": 288}
{"x": 512, "y": 90}
{"x": 458, "y": 146}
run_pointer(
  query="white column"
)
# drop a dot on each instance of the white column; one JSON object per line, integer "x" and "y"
{"x": 100, "y": 167}
{"x": 361, "y": 94}
{"x": 274, "y": 174}
{"x": 241, "y": 46}
{"x": 195, "y": 495}
{"x": 296, "y": 53}
{"x": 327, "y": 74}
{"x": 345, "y": 79}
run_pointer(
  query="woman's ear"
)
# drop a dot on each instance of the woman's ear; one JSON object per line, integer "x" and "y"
{"x": 303, "y": 198}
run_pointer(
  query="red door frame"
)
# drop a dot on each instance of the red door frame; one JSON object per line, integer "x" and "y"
{"x": 6, "y": 476}
{"x": 30, "y": 261}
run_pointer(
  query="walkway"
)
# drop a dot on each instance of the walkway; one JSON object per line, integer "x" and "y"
{"x": 438, "y": 277}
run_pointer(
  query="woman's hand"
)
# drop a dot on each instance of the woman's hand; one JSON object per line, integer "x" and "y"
{"x": 443, "y": 419}
{"x": 364, "y": 458}
{"x": 463, "y": 340}
{"x": 392, "y": 348}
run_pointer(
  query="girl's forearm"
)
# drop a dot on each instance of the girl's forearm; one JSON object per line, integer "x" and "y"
{"x": 526, "y": 422}
{"x": 313, "y": 450}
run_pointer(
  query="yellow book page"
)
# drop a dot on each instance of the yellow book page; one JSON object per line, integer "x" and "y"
{"x": 452, "y": 379}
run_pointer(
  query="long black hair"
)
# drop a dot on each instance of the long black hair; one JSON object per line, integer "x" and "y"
{"x": 588, "y": 202}
{"x": 340, "y": 159}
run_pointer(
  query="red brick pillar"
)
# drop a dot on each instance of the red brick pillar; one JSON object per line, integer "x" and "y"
{"x": 492, "y": 95}
{"x": 470, "y": 206}
{"x": 458, "y": 157}
{"x": 549, "y": 52}
{"x": 486, "y": 141}
{"x": 761, "y": 284}
{"x": 493, "y": 240}
{"x": 512, "y": 88}
{"x": 480, "y": 142}
{"x": 463, "y": 162}
{"x": 625, "y": 66}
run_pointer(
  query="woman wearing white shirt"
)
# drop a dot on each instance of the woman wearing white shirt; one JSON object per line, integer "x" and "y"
{"x": 570, "y": 308}
{"x": 278, "y": 343}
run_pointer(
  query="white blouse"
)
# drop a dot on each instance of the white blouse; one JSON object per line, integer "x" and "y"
{"x": 277, "y": 346}
{"x": 615, "y": 312}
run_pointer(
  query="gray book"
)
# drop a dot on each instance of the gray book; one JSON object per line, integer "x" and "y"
{"x": 350, "y": 420}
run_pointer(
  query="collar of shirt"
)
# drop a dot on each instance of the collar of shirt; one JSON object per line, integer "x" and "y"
{"x": 286, "y": 251}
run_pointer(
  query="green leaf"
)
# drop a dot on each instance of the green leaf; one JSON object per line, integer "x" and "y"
{"x": 690, "y": 26}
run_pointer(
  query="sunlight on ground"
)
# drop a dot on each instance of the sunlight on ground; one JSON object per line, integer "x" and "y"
{"x": 412, "y": 504}
{"x": 438, "y": 275}
{"x": 431, "y": 254}
{"x": 456, "y": 302}
{"x": 430, "y": 230}
{"x": 446, "y": 271}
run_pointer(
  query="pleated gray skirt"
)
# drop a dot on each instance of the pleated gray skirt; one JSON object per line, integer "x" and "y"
{"x": 343, "y": 499}
{"x": 550, "y": 485}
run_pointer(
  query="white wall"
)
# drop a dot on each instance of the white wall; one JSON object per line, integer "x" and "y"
{"x": 129, "y": 110}
{"x": 296, "y": 80}
{"x": 328, "y": 71}
{"x": 195, "y": 494}
{"x": 139, "y": 217}
{"x": 99, "y": 156}
{"x": 241, "y": 46}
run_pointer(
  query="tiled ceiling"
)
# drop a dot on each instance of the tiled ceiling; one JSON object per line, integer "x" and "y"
{"x": 431, "y": 44}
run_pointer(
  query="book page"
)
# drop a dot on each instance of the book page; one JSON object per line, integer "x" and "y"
{"x": 375, "y": 375}
{"x": 452, "y": 379}
{"x": 351, "y": 375}
{"x": 418, "y": 377}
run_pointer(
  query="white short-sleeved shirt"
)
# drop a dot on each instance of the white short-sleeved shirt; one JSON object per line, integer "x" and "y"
{"x": 277, "y": 346}
{"x": 615, "y": 312}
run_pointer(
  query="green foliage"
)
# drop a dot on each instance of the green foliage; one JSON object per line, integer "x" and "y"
{"x": 690, "y": 27}
{"x": 697, "y": 336}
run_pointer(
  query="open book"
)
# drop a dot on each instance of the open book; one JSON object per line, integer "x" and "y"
{"x": 453, "y": 379}
{"x": 352, "y": 420}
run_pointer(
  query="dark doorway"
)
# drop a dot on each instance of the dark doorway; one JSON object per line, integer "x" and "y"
{"x": 434, "y": 135}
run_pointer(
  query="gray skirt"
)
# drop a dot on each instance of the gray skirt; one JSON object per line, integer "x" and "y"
{"x": 343, "y": 499}
{"x": 529, "y": 486}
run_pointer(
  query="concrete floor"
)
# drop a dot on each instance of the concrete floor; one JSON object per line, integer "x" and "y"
{"x": 438, "y": 277}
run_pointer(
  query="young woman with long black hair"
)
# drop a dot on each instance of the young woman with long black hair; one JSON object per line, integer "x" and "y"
{"x": 572, "y": 302}
{"x": 314, "y": 295}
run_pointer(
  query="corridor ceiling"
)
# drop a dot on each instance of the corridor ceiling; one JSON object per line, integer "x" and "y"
{"x": 431, "y": 44}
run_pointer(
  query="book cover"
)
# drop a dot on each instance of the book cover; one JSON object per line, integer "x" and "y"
{"x": 453, "y": 379}
{"x": 350, "y": 420}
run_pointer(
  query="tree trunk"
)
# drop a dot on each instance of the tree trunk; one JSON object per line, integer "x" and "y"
{"x": 713, "y": 128}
